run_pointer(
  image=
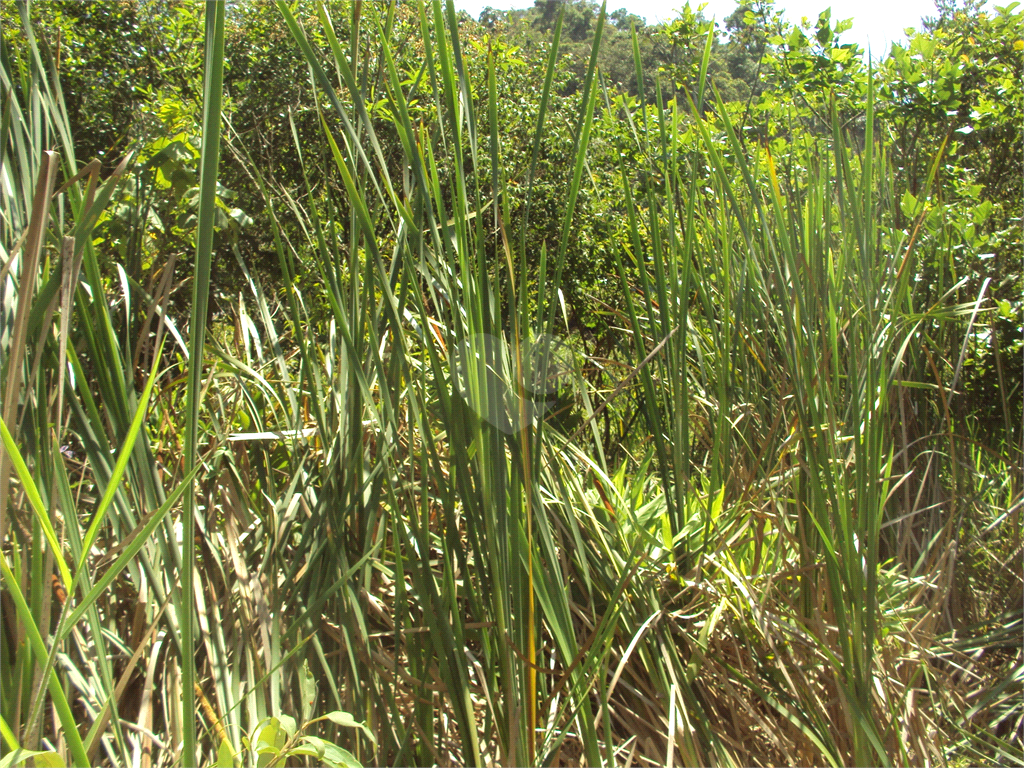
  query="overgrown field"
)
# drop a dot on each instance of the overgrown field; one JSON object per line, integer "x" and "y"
{"x": 401, "y": 389}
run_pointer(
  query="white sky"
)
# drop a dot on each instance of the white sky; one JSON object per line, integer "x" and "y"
{"x": 876, "y": 23}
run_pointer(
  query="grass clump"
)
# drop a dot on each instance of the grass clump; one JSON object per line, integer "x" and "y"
{"x": 393, "y": 512}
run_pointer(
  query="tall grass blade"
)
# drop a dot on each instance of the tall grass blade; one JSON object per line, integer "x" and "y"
{"x": 213, "y": 83}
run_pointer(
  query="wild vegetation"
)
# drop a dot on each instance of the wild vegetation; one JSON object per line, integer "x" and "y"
{"x": 382, "y": 386}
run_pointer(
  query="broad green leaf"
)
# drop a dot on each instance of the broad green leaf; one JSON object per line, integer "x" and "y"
{"x": 316, "y": 747}
{"x": 346, "y": 720}
{"x": 288, "y": 726}
{"x": 44, "y": 758}
{"x": 225, "y": 755}
{"x": 308, "y": 690}
{"x": 336, "y": 757}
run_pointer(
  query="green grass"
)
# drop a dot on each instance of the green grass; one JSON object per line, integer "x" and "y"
{"x": 353, "y": 503}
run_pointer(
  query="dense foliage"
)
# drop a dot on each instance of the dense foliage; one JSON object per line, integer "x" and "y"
{"x": 385, "y": 386}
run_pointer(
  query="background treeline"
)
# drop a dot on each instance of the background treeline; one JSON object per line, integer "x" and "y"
{"x": 546, "y": 388}
{"x": 132, "y": 74}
